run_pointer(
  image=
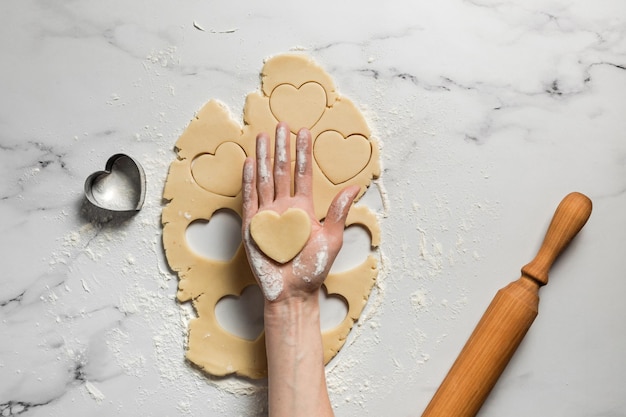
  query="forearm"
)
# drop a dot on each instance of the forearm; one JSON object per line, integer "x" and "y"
{"x": 297, "y": 382}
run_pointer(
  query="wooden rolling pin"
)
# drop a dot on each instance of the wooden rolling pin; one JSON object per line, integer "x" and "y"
{"x": 506, "y": 321}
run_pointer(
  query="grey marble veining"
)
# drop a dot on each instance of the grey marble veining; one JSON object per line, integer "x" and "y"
{"x": 488, "y": 113}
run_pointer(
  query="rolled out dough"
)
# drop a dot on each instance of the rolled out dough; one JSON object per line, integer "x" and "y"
{"x": 206, "y": 178}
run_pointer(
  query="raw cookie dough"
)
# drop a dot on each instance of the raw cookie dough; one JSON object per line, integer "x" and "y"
{"x": 281, "y": 236}
{"x": 206, "y": 178}
{"x": 220, "y": 173}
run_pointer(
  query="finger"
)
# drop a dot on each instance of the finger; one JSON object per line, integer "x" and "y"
{"x": 335, "y": 221}
{"x": 249, "y": 193}
{"x": 282, "y": 161}
{"x": 304, "y": 166}
{"x": 264, "y": 183}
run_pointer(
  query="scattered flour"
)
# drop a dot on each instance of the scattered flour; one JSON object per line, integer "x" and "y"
{"x": 419, "y": 301}
{"x": 94, "y": 392}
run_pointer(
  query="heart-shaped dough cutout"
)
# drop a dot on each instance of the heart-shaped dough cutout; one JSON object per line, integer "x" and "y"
{"x": 341, "y": 158}
{"x": 243, "y": 315}
{"x": 120, "y": 187}
{"x": 299, "y": 107}
{"x": 220, "y": 173}
{"x": 281, "y": 236}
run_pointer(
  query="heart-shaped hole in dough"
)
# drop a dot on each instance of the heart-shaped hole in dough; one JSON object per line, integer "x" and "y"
{"x": 357, "y": 246}
{"x": 242, "y": 316}
{"x": 333, "y": 309}
{"x": 216, "y": 239}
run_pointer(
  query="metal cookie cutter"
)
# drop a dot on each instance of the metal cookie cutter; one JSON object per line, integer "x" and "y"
{"x": 120, "y": 187}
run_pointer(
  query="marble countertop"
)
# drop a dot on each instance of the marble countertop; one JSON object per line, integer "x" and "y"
{"x": 488, "y": 113}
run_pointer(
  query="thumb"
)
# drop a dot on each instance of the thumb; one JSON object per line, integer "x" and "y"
{"x": 338, "y": 211}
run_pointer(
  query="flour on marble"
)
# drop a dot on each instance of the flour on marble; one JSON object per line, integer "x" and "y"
{"x": 94, "y": 392}
{"x": 419, "y": 300}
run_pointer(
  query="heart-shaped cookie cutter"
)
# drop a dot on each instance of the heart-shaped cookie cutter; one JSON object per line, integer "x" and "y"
{"x": 121, "y": 187}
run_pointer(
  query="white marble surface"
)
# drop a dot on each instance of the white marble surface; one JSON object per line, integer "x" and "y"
{"x": 489, "y": 112}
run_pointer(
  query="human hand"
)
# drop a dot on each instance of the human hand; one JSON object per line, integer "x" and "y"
{"x": 270, "y": 189}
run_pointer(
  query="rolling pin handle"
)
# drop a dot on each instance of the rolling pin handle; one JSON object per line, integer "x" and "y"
{"x": 569, "y": 217}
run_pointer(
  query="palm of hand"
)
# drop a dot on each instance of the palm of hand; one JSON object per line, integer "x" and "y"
{"x": 303, "y": 275}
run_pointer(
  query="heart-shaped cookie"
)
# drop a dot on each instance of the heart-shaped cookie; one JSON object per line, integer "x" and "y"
{"x": 220, "y": 173}
{"x": 120, "y": 187}
{"x": 281, "y": 236}
{"x": 299, "y": 107}
{"x": 341, "y": 158}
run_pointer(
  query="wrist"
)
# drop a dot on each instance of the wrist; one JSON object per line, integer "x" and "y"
{"x": 294, "y": 309}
